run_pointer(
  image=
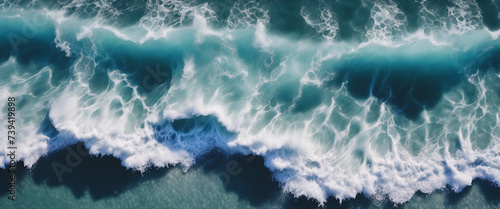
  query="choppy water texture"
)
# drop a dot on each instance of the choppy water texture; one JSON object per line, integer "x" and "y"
{"x": 340, "y": 98}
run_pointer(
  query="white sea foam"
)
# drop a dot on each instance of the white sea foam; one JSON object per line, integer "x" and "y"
{"x": 389, "y": 23}
{"x": 461, "y": 16}
{"x": 244, "y": 14}
{"x": 494, "y": 34}
{"x": 325, "y": 24}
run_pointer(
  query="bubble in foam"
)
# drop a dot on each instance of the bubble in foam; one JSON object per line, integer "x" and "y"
{"x": 244, "y": 14}
{"x": 456, "y": 18}
{"x": 162, "y": 15}
{"x": 466, "y": 16}
{"x": 324, "y": 21}
{"x": 389, "y": 23}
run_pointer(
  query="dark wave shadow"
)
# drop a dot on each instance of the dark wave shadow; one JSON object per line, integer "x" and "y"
{"x": 244, "y": 175}
{"x": 105, "y": 177}
{"x": 101, "y": 176}
{"x": 5, "y": 176}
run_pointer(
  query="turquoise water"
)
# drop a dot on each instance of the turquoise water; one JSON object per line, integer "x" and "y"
{"x": 383, "y": 102}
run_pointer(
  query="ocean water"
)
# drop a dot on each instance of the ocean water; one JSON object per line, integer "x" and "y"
{"x": 339, "y": 103}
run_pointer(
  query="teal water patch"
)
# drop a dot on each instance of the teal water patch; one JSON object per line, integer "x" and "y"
{"x": 402, "y": 78}
{"x": 30, "y": 41}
